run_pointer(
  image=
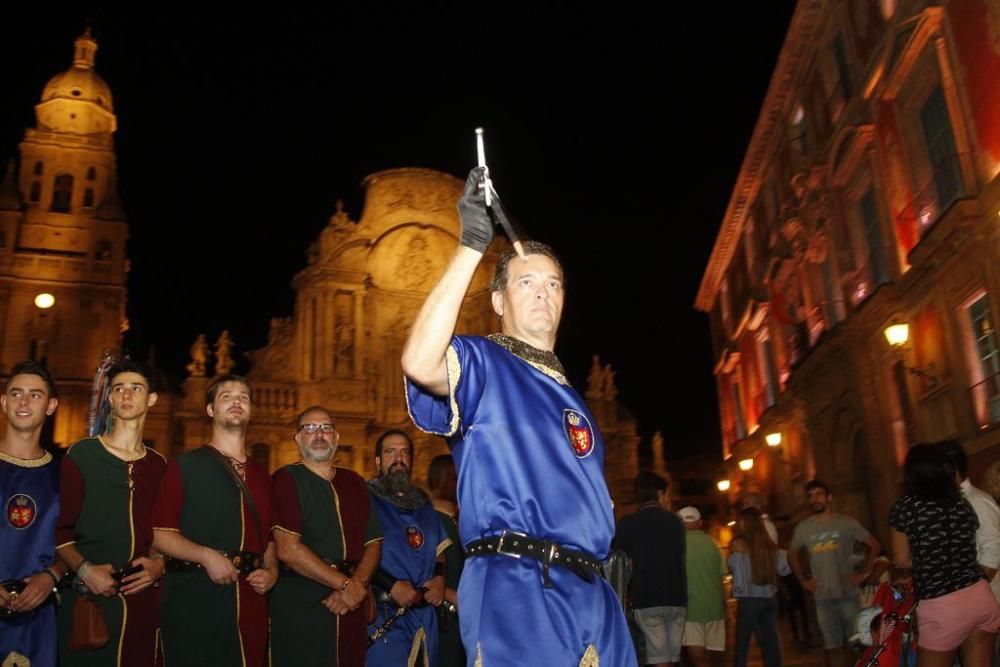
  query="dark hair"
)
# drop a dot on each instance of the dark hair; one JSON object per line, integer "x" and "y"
{"x": 214, "y": 385}
{"x": 34, "y": 368}
{"x": 129, "y": 366}
{"x": 956, "y": 454}
{"x": 500, "y": 275}
{"x": 761, "y": 551}
{"x": 298, "y": 419}
{"x": 929, "y": 473}
{"x": 817, "y": 484}
{"x": 435, "y": 471}
{"x": 646, "y": 486}
{"x": 391, "y": 432}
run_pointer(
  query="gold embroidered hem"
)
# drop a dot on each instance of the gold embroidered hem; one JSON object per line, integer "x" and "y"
{"x": 419, "y": 642}
{"x": 454, "y": 375}
{"x": 542, "y": 360}
{"x": 590, "y": 657}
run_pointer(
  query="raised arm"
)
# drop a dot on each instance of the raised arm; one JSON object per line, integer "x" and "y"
{"x": 424, "y": 354}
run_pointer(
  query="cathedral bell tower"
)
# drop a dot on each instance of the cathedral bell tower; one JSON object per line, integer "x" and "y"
{"x": 62, "y": 239}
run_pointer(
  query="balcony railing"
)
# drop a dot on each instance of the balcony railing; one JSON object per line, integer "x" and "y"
{"x": 986, "y": 400}
{"x": 941, "y": 191}
{"x": 275, "y": 397}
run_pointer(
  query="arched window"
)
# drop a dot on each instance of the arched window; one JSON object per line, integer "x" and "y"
{"x": 62, "y": 193}
{"x": 91, "y": 174}
{"x": 36, "y": 192}
{"x": 102, "y": 251}
{"x": 88, "y": 198}
{"x": 38, "y": 168}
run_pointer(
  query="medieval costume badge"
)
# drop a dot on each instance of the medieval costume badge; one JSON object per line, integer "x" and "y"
{"x": 414, "y": 537}
{"x": 579, "y": 433}
{"x": 21, "y": 511}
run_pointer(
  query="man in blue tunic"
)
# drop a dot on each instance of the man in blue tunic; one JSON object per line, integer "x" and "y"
{"x": 411, "y": 572}
{"x": 536, "y": 517}
{"x": 29, "y": 490}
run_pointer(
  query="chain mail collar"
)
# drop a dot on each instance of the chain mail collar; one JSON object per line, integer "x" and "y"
{"x": 547, "y": 360}
{"x": 413, "y": 498}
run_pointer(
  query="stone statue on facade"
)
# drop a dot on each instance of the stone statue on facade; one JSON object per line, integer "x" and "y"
{"x": 199, "y": 357}
{"x": 659, "y": 457}
{"x": 595, "y": 380}
{"x": 344, "y": 342}
{"x": 608, "y": 389}
{"x": 223, "y": 359}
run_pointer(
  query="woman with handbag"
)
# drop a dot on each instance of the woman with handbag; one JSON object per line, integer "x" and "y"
{"x": 110, "y": 615}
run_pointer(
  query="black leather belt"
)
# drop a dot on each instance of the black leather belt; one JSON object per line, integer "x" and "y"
{"x": 244, "y": 561}
{"x": 515, "y": 545}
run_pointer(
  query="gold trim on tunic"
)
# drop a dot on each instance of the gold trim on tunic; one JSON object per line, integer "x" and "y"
{"x": 444, "y": 545}
{"x": 26, "y": 463}
{"x": 590, "y": 657}
{"x": 419, "y": 639}
{"x": 454, "y": 375}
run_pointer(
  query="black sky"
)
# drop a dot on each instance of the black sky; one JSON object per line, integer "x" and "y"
{"x": 614, "y": 135}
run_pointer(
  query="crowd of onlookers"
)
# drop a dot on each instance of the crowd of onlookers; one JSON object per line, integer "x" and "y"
{"x": 944, "y": 555}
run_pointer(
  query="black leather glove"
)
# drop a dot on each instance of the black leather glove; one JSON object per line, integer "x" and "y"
{"x": 477, "y": 225}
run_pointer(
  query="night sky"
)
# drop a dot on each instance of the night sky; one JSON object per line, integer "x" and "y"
{"x": 614, "y": 136}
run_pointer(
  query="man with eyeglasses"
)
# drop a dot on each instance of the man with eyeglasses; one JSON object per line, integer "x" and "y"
{"x": 411, "y": 574}
{"x": 329, "y": 541}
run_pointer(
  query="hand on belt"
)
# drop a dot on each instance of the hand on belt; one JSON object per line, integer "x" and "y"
{"x": 515, "y": 545}
{"x": 244, "y": 561}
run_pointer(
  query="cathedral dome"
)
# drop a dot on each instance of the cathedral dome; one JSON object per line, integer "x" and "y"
{"x": 80, "y": 82}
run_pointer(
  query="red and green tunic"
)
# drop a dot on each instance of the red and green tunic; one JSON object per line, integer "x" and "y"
{"x": 203, "y": 623}
{"x": 105, "y": 511}
{"x": 336, "y": 520}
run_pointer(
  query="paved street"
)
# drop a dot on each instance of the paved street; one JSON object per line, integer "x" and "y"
{"x": 810, "y": 657}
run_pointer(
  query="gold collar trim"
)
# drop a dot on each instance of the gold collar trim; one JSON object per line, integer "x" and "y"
{"x": 543, "y": 360}
{"x": 26, "y": 463}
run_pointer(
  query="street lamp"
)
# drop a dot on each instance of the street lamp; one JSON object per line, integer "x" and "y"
{"x": 897, "y": 334}
{"x": 773, "y": 439}
{"x": 746, "y": 464}
{"x": 723, "y": 484}
{"x": 45, "y": 300}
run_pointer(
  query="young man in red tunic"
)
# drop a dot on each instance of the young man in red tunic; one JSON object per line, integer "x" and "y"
{"x": 222, "y": 562}
{"x": 107, "y": 487}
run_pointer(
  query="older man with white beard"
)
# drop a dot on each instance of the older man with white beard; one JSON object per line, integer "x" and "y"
{"x": 329, "y": 543}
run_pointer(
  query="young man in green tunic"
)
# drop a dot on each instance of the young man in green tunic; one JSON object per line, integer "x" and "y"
{"x": 329, "y": 540}
{"x": 222, "y": 560}
{"x": 107, "y": 487}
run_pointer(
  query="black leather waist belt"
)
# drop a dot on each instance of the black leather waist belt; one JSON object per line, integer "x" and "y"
{"x": 517, "y": 545}
{"x": 244, "y": 561}
{"x": 345, "y": 566}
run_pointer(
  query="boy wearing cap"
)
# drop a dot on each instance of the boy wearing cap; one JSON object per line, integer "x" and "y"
{"x": 705, "y": 627}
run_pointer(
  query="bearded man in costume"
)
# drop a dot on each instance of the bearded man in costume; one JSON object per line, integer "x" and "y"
{"x": 411, "y": 574}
